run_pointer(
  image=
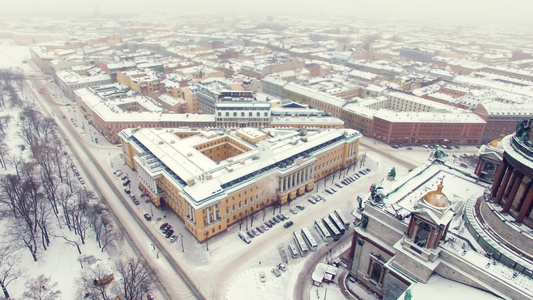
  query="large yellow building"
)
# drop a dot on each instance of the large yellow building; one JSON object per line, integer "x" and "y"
{"x": 214, "y": 179}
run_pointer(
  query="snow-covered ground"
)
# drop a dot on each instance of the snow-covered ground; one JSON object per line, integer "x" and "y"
{"x": 61, "y": 262}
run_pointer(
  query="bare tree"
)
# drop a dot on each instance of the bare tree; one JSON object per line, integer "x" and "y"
{"x": 103, "y": 226}
{"x": 81, "y": 213}
{"x": 67, "y": 202}
{"x": 16, "y": 161}
{"x": 137, "y": 279}
{"x": 4, "y": 152}
{"x": 109, "y": 234}
{"x": 22, "y": 238}
{"x": 41, "y": 288}
{"x": 9, "y": 270}
{"x": 70, "y": 242}
{"x": 89, "y": 288}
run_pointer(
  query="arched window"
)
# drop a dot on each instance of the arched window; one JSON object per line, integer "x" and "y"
{"x": 422, "y": 234}
{"x": 376, "y": 272}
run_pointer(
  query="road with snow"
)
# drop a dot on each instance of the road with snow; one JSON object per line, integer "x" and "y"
{"x": 90, "y": 159}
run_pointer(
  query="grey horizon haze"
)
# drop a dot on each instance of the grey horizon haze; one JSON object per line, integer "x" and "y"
{"x": 461, "y": 11}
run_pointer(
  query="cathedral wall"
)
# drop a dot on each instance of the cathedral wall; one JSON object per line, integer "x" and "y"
{"x": 457, "y": 269}
{"x": 520, "y": 241}
{"x": 393, "y": 288}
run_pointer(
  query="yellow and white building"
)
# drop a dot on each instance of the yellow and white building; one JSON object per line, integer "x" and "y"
{"x": 213, "y": 179}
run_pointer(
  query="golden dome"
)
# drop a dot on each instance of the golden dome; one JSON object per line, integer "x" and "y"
{"x": 498, "y": 142}
{"x": 437, "y": 198}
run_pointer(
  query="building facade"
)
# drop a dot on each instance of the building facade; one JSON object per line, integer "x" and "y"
{"x": 214, "y": 179}
{"x": 513, "y": 185}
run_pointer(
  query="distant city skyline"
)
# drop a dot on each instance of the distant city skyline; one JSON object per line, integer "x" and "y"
{"x": 473, "y": 11}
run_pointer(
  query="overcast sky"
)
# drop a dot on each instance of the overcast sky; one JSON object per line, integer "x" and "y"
{"x": 484, "y": 11}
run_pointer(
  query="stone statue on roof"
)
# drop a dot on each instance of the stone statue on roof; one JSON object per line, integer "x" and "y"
{"x": 392, "y": 173}
{"x": 360, "y": 201}
{"x": 439, "y": 153}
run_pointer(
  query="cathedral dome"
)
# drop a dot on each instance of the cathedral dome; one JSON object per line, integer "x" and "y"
{"x": 497, "y": 143}
{"x": 437, "y": 198}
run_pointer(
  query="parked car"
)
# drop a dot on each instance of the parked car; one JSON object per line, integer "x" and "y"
{"x": 340, "y": 186}
{"x": 167, "y": 229}
{"x": 311, "y": 200}
{"x": 250, "y": 234}
{"x": 282, "y": 267}
{"x": 147, "y": 217}
{"x": 169, "y": 233}
{"x": 127, "y": 191}
{"x": 124, "y": 177}
{"x": 256, "y": 232}
{"x": 163, "y": 226}
{"x": 280, "y": 217}
{"x": 119, "y": 172}
{"x": 288, "y": 224}
{"x": 271, "y": 222}
{"x": 293, "y": 211}
{"x": 264, "y": 227}
{"x": 136, "y": 202}
{"x": 300, "y": 207}
{"x": 174, "y": 238}
{"x": 269, "y": 225}
{"x": 275, "y": 220}
{"x": 276, "y": 272}
{"x": 258, "y": 228}
{"x": 262, "y": 276}
{"x": 125, "y": 183}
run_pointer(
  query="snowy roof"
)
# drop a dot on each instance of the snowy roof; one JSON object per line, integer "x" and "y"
{"x": 403, "y": 196}
{"x": 72, "y": 78}
{"x": 213, "y": 180}
{"x": 429, "y": 117}
{"x": 112, "y": 110}
{"x": 170, "y": 100}
{"x": 440, "y": 288}
{"x": 314, "y": 94}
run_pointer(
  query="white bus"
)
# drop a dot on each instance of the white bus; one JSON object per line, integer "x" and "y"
{"x": 309, "y": 239}
{"x": 293, "y": 251}
{"x": 333, "y": 218}
{"x": 243, "y": 237}
{"x": 342, "y": 218}
{"x": 335, "y": 233}
{"x": 323, "y": 231}
{"x": 300, "y": 243}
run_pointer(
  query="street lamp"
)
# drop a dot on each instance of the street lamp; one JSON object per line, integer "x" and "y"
{"x": 110, "y": 160}
{"x": 252, "y": 216}
{"x": 182, "y": 250}
{"x": 206, "y": 241}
